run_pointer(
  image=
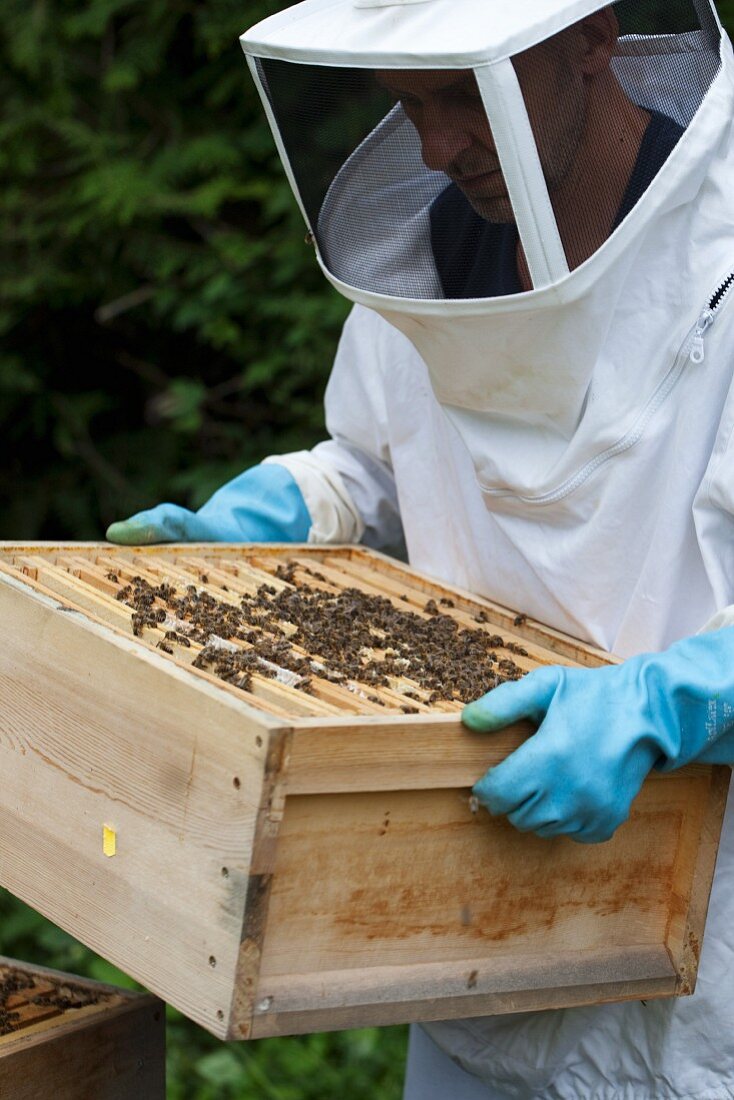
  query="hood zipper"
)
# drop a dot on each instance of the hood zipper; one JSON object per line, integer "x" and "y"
{"x": 707, "y": 318}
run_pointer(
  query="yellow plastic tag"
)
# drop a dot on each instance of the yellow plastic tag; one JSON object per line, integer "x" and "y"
{"x": 109, "y": 840}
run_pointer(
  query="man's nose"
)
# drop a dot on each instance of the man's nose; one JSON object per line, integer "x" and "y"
{"x": 443, "y": 141}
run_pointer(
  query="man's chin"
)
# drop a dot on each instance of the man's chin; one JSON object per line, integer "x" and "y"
{"x": 496, "y": 210}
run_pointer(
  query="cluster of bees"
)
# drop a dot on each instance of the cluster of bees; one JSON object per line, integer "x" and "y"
{"x": 343, "y": 636}
{"x": 15, "y": 982}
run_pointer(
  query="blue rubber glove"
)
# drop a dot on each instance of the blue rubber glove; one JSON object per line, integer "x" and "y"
{"x": 600, "y": 731}
{"x": 264, "y": 504}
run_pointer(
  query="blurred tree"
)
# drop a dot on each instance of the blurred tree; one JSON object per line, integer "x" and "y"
{"x": 163, "y": 322}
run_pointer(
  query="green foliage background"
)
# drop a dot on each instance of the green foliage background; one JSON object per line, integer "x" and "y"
{"x": 163, "y": 322}
{"x": 163, "y": 325}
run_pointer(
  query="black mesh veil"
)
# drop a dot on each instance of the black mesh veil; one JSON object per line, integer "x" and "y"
{"x": 401, "y": 180}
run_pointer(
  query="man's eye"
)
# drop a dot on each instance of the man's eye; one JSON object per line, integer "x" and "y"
{"x": 469, "y": 96}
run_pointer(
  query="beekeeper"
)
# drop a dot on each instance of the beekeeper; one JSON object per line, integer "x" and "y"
{"x": 531, "y": 206}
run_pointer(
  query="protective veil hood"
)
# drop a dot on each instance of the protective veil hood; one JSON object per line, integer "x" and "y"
{"x": 430, "y": 229}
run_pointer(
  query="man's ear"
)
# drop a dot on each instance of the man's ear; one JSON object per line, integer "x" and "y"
{"x": 598, "y": 36}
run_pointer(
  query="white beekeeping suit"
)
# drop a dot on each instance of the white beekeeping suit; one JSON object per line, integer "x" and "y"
{"x": 534, "y": 385}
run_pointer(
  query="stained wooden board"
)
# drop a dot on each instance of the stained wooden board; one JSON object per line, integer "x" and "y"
{"x": 504, "y": 974}
{"x": 405, "y": 905}
{"x": 527, "y": 924}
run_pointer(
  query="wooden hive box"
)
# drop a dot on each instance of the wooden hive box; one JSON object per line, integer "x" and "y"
{"x": 273, "y": 862}
{"x": 71, "y": 1039}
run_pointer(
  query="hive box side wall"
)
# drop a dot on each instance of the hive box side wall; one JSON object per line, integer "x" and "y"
{"x": 97, "y": 732}
{"x": 107, "y": 1054}
{"x": 468, "y": 917}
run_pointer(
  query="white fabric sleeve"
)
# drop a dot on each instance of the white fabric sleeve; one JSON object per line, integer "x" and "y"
{"x": 347, "y": 481}
{"x": 334, "y": 515}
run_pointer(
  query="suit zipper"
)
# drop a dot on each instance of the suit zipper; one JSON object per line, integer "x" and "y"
{"x": 707, "y": 318}
{"x": 693, "y": 350}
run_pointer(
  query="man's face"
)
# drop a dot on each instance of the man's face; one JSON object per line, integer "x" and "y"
{"x": 446, "y": 108}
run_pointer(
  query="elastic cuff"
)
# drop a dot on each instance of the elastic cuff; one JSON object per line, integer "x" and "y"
{"x": 334, "y": 515}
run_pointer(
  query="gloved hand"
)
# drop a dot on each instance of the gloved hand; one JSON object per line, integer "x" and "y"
{"x": 600, "y": 731}
{"x": 264, "y": 504}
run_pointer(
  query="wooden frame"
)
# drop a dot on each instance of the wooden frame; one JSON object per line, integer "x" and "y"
{"x": 110, "y": 1049}
{"x": 276, "y": 873}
